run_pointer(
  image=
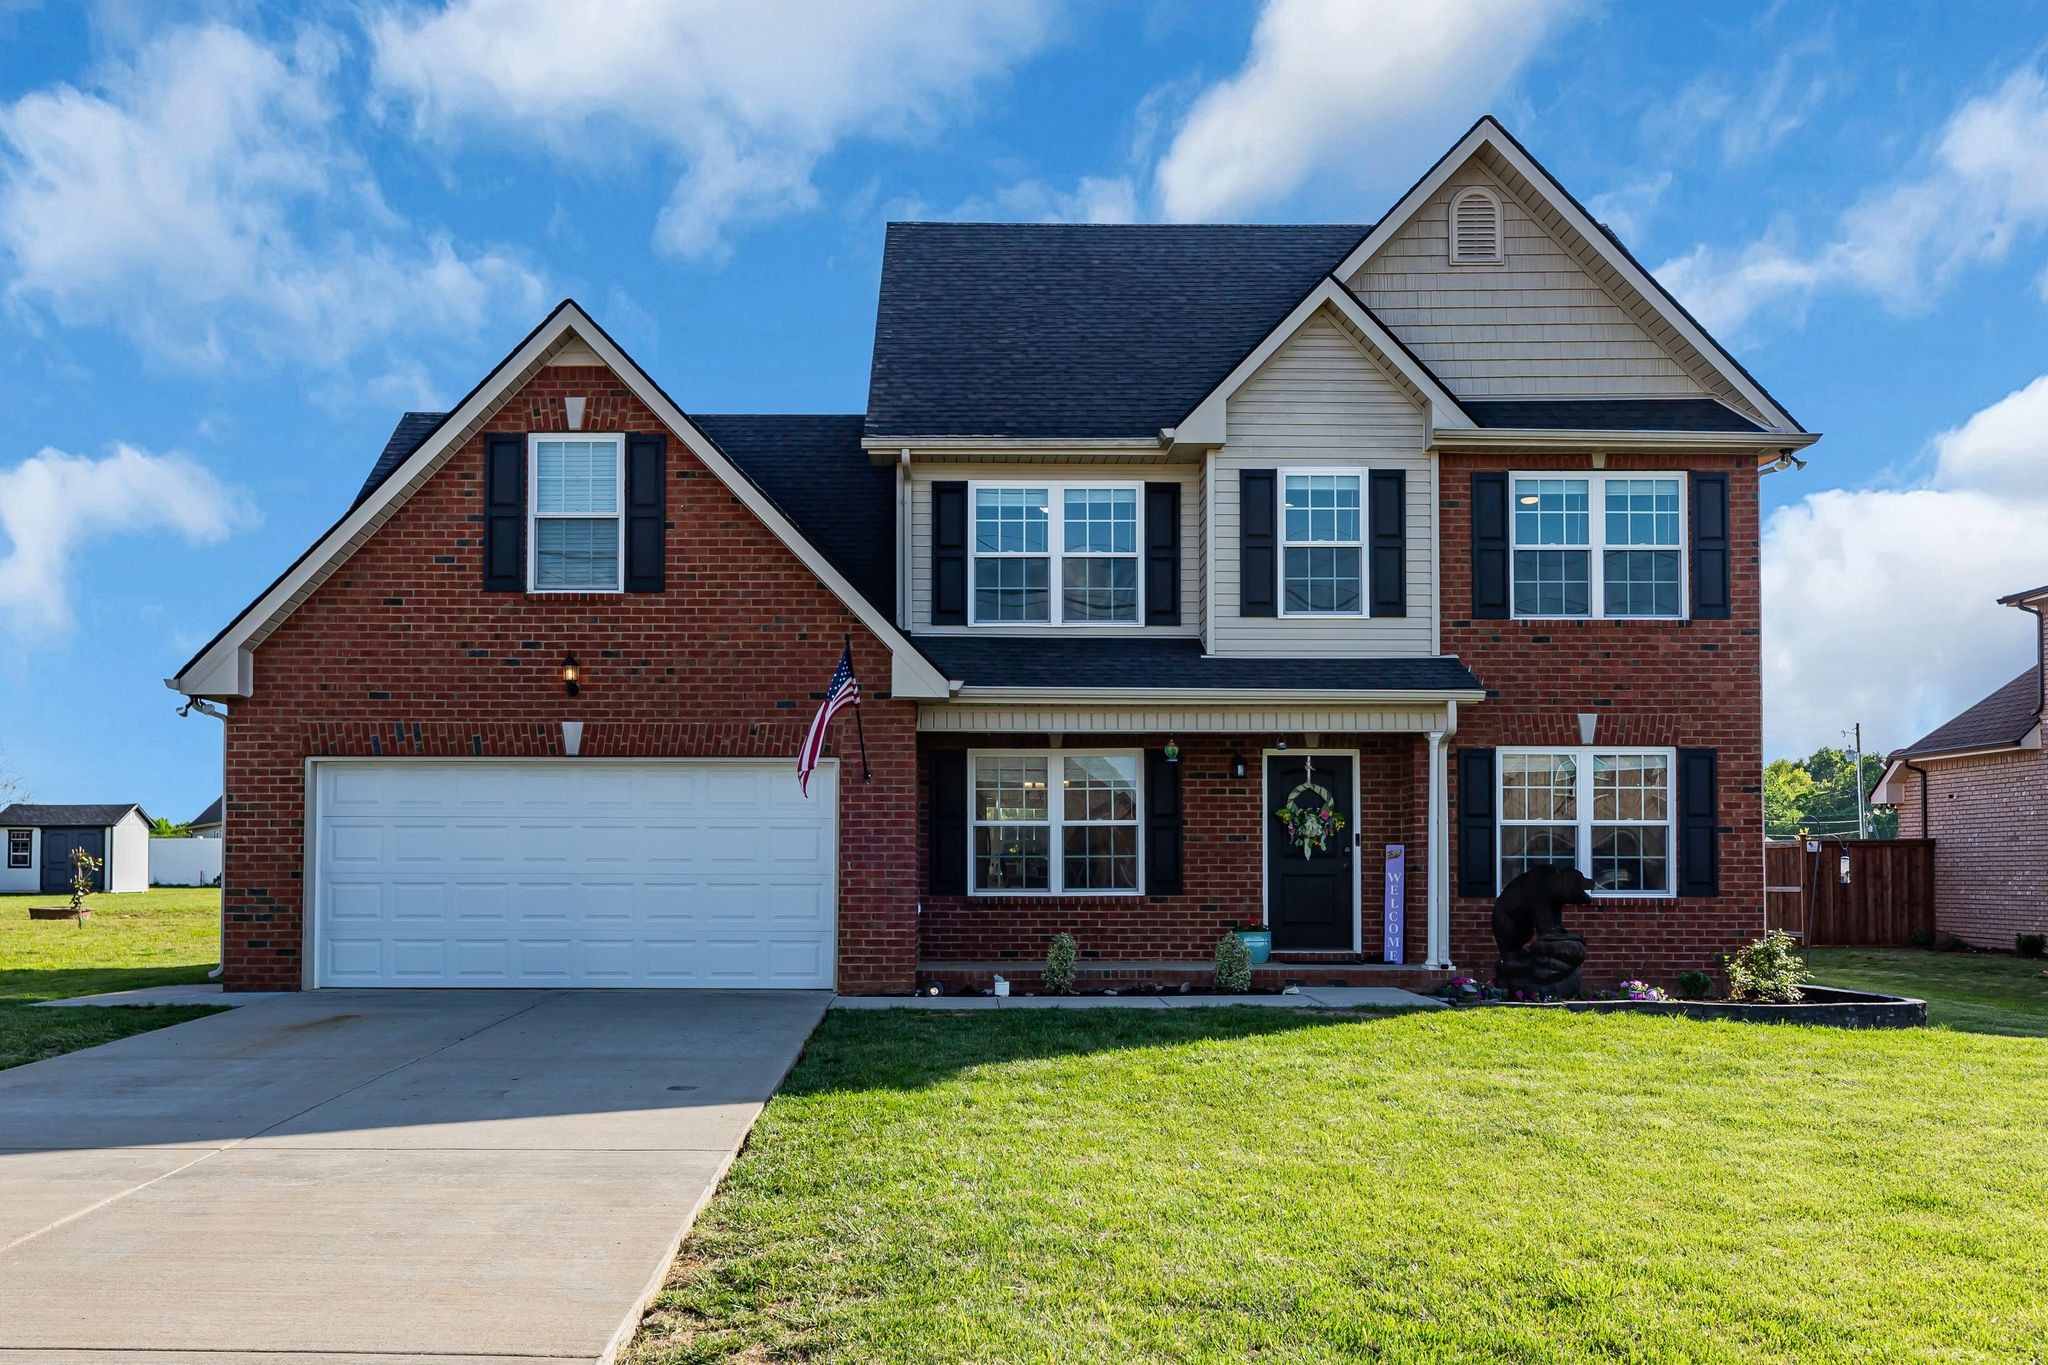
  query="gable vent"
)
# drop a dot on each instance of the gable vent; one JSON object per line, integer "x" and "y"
{"x": 1475, "y": 228}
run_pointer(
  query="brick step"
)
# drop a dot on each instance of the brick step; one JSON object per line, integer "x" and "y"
{"x": 1098, "y": 975}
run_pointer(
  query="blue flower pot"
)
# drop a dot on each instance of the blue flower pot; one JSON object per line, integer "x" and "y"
{"x": 1257, "y": 942}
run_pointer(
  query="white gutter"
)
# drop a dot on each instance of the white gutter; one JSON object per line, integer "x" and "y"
{"x": 1264, "y": 696}
{"x": 1540, "y": 438}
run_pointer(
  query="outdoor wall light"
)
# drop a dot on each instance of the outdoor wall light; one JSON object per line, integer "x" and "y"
{"x": 1172, "y": 752}
{"x": 571, "y": 675}
{"x": 1236, "y": 764}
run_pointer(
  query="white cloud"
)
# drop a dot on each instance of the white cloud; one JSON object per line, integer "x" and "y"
{"x": 1983, "y": 190}
{"x": 198, "y": 198}
{"x": 1880, "y": 604}
{"x": 747, "y": 98}
{"x": 1334, "y": 86}
{"x": 1627, "y": 208}
{"x": 54, "y": 506}
{"x": 1094, "y": 199}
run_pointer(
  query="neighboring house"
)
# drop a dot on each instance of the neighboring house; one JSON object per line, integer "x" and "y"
{"x": 1978, "y": 786}
{"x": 1449, "y": 522}
{"x": 208, "y": 824}
{"x": 40, "y": 841}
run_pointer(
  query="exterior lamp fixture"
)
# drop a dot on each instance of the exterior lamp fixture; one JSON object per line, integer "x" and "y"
{"x": 1172, "y": 752}
{"x": 1281, "y": 745}
{"x": 571, "y": 675}
{"x": 1236, "y": 764}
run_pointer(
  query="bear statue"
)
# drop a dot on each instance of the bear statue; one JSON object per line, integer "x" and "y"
{"x": 1537, "y": 955}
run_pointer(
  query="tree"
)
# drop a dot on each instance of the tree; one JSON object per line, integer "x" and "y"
{"x": 1817, "y": 795}
{"x": 163, "y": 827}
{"x": 12, "y": 788}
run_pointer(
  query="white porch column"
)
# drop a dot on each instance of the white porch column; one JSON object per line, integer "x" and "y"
{"x": 1438, "y": 883}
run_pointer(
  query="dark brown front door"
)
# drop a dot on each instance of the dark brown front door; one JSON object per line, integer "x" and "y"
{"x": 1310, "y": 897}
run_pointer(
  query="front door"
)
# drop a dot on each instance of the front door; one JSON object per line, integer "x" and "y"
{"x": 57, "y": 847}
{"x": 1311, "y": 891}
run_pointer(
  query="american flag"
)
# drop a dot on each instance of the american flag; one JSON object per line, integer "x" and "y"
{"x": 843, "y": 691}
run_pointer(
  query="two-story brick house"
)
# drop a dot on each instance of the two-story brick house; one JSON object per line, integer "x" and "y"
{"x": 1445, "y": 524}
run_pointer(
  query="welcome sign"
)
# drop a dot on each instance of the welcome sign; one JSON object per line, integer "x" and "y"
{"x": 1397, "y": 899}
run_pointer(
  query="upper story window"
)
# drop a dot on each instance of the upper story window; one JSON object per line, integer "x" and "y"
{"x": 577, "y": 529}
{"x": 1084, "y": 537}
{"x": 1606, "y": 812}
{"x": 1475, "y": 228}
{"x": 1054, "y": 822}
{"x": 1599, "y": 545}
{"x": 19, "y": 842}
{"x": 1322, "y": 546}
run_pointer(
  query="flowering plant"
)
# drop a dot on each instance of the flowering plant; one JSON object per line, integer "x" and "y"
{"x": 1637, "y": 990}
{"x": 1310, "y": 826}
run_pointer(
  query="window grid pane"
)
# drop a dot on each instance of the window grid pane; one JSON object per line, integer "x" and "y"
{"x": 1021, "y": 835}
{"x": 1525, "y": 846}
{"x": 1552, "y": 512}
{"x": 1620, "y": 822}
{"x": 1552, "y": 583}
{"x": 1322, "y": 509}
{"x": 1101, "y": 521}
{"x": 1642, "y": 583}
{"x": 1322, "y": 580}
{"x": 1642, "y": 512}
{"x": 1012, "y": 589}
{"x": 1011, "y": 521}
{"x": 576, "y": 552}
{"x": 1010, "y": 789}
{"x": 1099, "y": 589}
{"x": 576, "y": 477}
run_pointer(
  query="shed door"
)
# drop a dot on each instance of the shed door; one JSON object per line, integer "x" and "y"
{"x": 57, "y": 847}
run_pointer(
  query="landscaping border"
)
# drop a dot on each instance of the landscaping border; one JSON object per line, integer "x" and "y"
{"x": 1824, "y": 1006}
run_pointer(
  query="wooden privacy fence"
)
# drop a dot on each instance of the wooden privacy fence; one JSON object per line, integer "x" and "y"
{"x": 1887, "y": 899}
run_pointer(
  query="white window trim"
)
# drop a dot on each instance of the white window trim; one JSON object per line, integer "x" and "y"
{"x": 1500, "y": 227}
{"x": 534, "y": 516}
{"x": 1055, "y": 809}
{"x": 1596, "y": 544}
{"x": 1055, "y": 551}
{"x": 28, "y": 849}
{"x": 1582, "y": 758}
{"x": 1364, "y": 476}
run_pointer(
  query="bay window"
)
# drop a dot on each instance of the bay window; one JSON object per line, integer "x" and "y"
{"x": 1606, "y": 812}
{"x": 1598, "y": 545}
{"x": 576, "y": 529}
{"x": 1084, "y": 537}
{"x": 1053, "y": 821}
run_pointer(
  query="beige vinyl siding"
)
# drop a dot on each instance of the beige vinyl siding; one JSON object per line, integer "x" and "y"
{"x": 922, "y": 476}
{"x": 992, "y": 718}
{"x": 1322, "y": 400}
{"x": 1538, "y": 325}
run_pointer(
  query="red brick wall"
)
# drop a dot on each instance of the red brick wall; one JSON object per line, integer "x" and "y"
{"x": 402, "y": 644}
{"x": 1224, "y": 819}
{"x": 1990, "y": 861}
{"x": 1683, "y": 684}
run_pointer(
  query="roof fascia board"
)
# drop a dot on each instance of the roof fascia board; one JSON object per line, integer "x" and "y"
{"x": 1601, "y": 439}
{"x": 1208, "y": 424}
{"x": 2031, "y": 740}
{"x": 1487, "y": 133}
{"x": 914, "y": 444}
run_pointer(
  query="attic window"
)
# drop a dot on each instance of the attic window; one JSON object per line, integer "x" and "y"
{"x": 1475, "y": 228}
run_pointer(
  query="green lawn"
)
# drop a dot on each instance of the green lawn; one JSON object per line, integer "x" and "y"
{"x": 154, "y": 938}
{"x": 1283, "y": 1186}
{"x": 1975, "y": 992}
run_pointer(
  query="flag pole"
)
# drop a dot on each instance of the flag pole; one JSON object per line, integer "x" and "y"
{"x": 858, "y": 728}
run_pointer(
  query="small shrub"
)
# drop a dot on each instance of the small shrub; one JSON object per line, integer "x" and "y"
{"x": 2030, "y": 945}
{"x": 1767, "y": 970}
{"x": 1921, "y": 938}
{"x": 1695, "y": 985}
{"x": 1059, "y": 965}
{"x": 1233, "y": 965}
{"x": 83, "y": 865}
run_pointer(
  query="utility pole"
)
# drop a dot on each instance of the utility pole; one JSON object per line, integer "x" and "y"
{"x": 1862, "y": 811}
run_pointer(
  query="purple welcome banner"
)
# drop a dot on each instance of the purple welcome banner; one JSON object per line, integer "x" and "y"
{"x": 1397, "y": 900}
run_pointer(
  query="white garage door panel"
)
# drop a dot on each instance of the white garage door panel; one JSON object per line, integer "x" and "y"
{"x": 572, "y": 873}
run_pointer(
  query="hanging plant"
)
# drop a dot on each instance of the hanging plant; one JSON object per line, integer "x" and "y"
{"x": 1310, "y": 826}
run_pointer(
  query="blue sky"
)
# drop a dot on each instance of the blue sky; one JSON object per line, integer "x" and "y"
{"x": 235, "y": 242}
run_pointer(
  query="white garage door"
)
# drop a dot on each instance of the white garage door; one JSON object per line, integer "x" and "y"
{"x": 572, "y": 872}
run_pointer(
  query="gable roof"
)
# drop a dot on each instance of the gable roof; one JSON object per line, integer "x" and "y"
{"x": 1066, "y": 330}
{"x": 209, "y": 817}
{"x": 409, "y": 435}
{"x": 224, "y": 667}
{"x": 2001, "y": 719}
{"x": 1489, "y": 137}
{"x": 25, "y": 814}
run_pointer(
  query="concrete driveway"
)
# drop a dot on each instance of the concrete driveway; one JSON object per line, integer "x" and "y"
{"x": 376, "y": 1175}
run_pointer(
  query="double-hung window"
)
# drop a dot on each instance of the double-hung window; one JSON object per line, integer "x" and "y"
{"x": 1606, "y": 812}
{"x": 1322, "y": 546}
{"x": 19, "y": 842}
{"x": 577, "y": 527}
{"x": 1054, "y": 822}
{"x": 1599, "y": 545}
{"x": 1082, "y": 537}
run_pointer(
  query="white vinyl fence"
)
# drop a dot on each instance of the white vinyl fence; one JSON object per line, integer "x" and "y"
{"x": 184, "y": 862}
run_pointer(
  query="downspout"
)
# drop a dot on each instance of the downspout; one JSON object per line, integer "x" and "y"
{"x": 207, "y": 708}
{"x": 1910, "y": 766}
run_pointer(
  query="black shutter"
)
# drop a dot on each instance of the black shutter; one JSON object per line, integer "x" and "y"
{"x": 1699, "y": 835}
{"x": 646, "y": 513}
{"x": 1162, "y": 554}
{"x": 1489, "y": 547}
{"x": 1478, "y": 871}
{"x": 949, "y": 557}
{"x": 1162, "y": 824}
{"x": 504, "y": 514}
{"x": 1255, "y": 544}
{"x": 949, "y": 822}
{"x": 1710, "y": 556}
{"x": 1387, "y": 534}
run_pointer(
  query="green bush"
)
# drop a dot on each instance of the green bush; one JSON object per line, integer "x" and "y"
{"x": 1921, "y": 938}
{"x": 1695, "y": 985}
{"x": 1233, "y": 965}
{"x": 1767, "y": 970}
{"x": 1059, "y": 965}
{"x": 2030, "y": 945}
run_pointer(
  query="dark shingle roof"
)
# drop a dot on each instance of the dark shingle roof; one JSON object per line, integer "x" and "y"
{"x": 1153, "y": 664}
{"x": 1025, "y": 329}
{"x": 208, "y": 817}
{"x": 1608, "y": 414}
{"x": 24, "y": 813}
{"x": 813, "y": 468}
{"x": 409, "y": 435}
{"x": 2004, "y": 717}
